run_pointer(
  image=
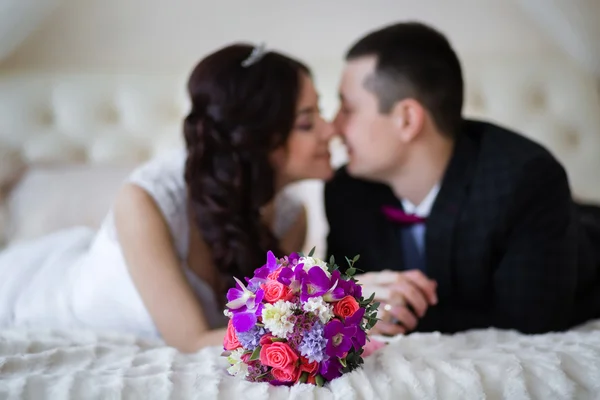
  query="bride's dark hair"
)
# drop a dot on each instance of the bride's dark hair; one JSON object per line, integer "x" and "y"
{"x": 239, "y": 114}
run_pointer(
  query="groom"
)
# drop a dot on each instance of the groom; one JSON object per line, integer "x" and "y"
{"x": 460, "y": 224}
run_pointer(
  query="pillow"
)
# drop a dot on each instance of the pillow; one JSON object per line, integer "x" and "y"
{"x": 48, "y": 199}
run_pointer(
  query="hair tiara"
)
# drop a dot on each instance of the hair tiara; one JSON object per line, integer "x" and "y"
{"x": 258, "y": 52}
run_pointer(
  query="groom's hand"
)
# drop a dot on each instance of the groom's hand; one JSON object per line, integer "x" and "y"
{"x": 404, "y": 297}
{"x": 415, "y": 289}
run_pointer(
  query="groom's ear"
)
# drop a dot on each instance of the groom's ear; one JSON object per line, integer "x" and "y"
{"x": 408, "y": 118}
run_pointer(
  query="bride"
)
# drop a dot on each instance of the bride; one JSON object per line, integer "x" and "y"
{"x": 183, "y": 225}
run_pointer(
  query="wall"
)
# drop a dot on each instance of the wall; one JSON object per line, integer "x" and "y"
{"x": 163, "y": 35}
{"x": 170, "y": 36}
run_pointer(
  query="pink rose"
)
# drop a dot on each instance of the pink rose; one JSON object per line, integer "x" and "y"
{"x": 275, "y": 274}
{"x": 346, "y": 307}
{"x": 231, "y": 341}
{"x": 289, "y": 374}
{"x": 275, "y": 291}
{"x": 278, "y": 355}
{"x": 311, "y": 368}
{"x": 266, "y": 339}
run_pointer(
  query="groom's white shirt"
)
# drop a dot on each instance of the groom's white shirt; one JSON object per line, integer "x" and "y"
{"x": 422, "y": 210}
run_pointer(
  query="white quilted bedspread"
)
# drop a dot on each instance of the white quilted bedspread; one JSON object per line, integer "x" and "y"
{"x": 487, "y": 364}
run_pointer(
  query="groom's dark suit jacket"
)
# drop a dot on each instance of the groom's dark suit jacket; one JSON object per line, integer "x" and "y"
{"x": 504, "y": 240}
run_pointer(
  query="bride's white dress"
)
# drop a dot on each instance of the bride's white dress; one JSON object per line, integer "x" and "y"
{"x": 77, "y": 278}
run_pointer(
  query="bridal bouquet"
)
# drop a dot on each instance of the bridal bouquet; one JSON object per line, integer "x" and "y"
{"x": 298, "y": 319}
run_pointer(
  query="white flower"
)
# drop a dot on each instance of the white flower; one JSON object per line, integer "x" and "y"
{"x": 310, "y": 262}
{"x": 228, "y": 313}
{"x": 276, "y": 318}
{"x": 320, "y": 308}
{"x": 238, "y": 367}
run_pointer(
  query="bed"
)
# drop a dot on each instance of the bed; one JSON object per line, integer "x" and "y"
{"x": 59, "y": 132}
{"x": 484, "y": 364}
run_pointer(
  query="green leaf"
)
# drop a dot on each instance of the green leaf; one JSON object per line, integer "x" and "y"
{"x": 356, "y": 257}
{"x": 319, "y": 380}
{"x": 277, "y": 339}
{"x": 343, "y": 362}
{"x": 376, "y": 305}
{"x": 263, "y": 375}
{"x": 349, "y": 261}
{"x": 372, "y": 322}
{"x": 304, "y": 377}
{"x": 332, "y": 260}
{"x": 351, "y": 271}
{"x": 312, "y": 251}
{"x": 255, "y": 354}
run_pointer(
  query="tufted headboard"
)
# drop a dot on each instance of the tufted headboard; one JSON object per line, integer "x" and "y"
{"x": 76, "y": 136}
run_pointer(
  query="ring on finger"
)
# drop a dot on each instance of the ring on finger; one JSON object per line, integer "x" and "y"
{"x": 388, "y": 308}
{"x": 386, "y": 314}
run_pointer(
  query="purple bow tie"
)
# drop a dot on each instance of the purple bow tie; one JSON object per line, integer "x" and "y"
{"x": 398, "y": 215}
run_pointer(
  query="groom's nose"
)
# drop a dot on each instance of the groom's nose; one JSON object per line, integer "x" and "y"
{"x": 328, "y": 130}
{"x": 338, "y": 124}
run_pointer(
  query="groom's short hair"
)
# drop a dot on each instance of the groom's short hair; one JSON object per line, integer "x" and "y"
{"x": 414, "y": 60}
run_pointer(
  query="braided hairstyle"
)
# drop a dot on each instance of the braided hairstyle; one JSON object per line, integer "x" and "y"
{"x": 238, "y": 116}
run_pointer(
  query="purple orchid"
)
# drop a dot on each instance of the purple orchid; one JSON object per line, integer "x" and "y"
{"x": 293, "y": 258}
{"x": 244, "y": 305}
{"x": 336, "y": 292}
{"x": 293, "y": 277}
{"x": 359, "y": 339}
{"x": 261, "y": 274}
{"x": 331, "y": 369}
{"x": 286, "y": 276}
{"x": 349, "y": 287}
{"x": 317, "y": 283}
{"x": 339, "y": 338}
